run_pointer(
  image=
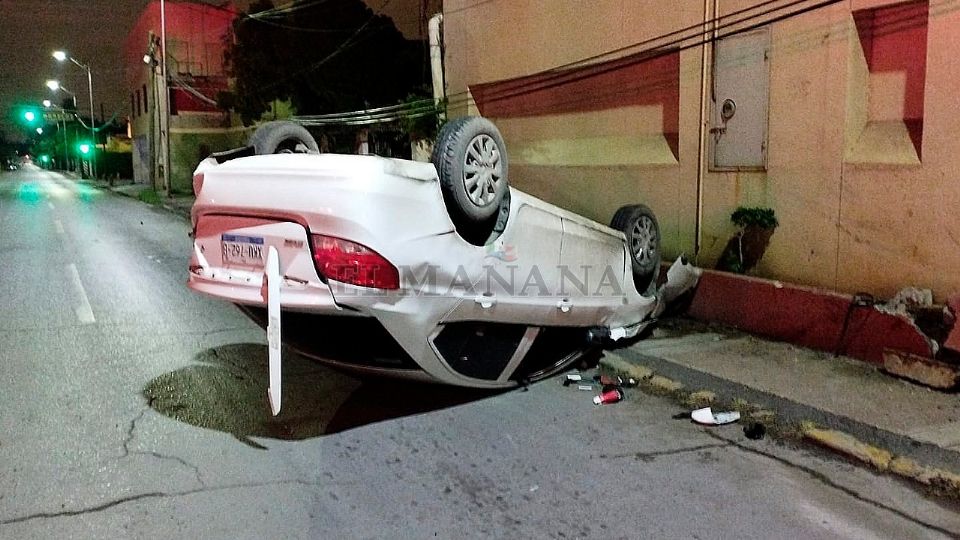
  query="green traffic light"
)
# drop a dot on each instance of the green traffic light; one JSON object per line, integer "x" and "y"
{"x": 29, "y": 116}
{"x": 45, "y": 158}
{"x": 84, "y": 148}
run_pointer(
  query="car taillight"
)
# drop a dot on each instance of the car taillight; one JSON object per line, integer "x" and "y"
{"x": 353, "y": 263}
{"x": 197, "y": 183}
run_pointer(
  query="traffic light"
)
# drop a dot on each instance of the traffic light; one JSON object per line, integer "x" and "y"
{"x": 30, "y": 116}
{"x": 45, "y": 158}
{"x": 84, "y": 148}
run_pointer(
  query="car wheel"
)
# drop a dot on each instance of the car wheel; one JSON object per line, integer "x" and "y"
{"x": 639, "y": 225}
{"x": 471, "y": 161}
{"x": 283, "y": 137}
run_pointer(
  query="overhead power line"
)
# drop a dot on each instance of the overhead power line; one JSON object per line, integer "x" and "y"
{"x": 286, "y": 9}
{"x": 380, "y": 115}
{"x": 180, "y": 82}
{"x": 734, "y": 23}
{"x": 721, "y": 27}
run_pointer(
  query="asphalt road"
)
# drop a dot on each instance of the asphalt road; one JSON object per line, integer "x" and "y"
{"x": 131, "y": 407}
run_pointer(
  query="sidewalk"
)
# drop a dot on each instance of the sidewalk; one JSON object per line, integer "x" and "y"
{"x": 847, "y": 400}
{"x": 176, "y": 203}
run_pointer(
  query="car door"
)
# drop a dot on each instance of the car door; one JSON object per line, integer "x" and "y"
{"x": 592, "y": 268}
{"x": 521, "y": 272}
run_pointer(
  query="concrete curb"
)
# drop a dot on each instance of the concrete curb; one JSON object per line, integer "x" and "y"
{"x": 942, "y": 481}
{"x": 829, "y": 321}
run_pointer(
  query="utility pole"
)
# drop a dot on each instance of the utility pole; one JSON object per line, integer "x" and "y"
{"x": 93, "y": 120}
{"x": 153, "y": 142}
{"x": 164, "y": 103}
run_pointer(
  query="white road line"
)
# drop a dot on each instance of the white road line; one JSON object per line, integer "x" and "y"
{"x": 83, "y": 310}
{"x": 59, "y": 226}
{"x": 50, "y": 204}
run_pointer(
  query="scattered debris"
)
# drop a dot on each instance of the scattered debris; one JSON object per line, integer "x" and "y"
{"x": 534, "y": 488}
{"x": 613, "y": 395}
{"x": 928, "y": 371}
{"x": 681, "y": 277}
{"x": 708, "y": 417}
{"x": 908, "y": 298}
{"x": 582, "y": 382}
{"x": 618, "y": 381}
{"x": 611, "y": 386}
{"x": 754, "y": 430}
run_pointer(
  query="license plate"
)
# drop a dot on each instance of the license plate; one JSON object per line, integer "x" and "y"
{"x": 242, "y": 250}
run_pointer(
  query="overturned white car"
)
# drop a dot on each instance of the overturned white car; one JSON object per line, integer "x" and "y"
{"x": 449, "y": 274}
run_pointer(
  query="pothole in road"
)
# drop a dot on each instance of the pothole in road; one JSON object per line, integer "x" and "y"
{"x": 225, "y": 390}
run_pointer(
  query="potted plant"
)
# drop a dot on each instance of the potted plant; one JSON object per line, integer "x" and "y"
{"x": 746, "y": 248}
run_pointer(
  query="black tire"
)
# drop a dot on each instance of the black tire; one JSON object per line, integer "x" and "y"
{"x": 282, "y": 137}
{"x": 471, "y": 161}
{"x": 639, "y": 225}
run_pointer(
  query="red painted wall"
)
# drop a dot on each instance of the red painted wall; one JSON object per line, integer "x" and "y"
{"x": 633, "y": 80}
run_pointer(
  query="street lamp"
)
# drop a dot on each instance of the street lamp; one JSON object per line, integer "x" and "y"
{"x": 55, "y": 86}
{"x": 61, "y": 56}
{"x": 47, "y": 103}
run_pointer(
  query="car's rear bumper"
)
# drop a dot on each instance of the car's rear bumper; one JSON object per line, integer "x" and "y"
{"x": 246, "y": 288}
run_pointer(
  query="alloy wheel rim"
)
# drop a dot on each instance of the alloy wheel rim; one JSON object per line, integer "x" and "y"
{"x": 482, "y": 170}
{"x": 644, "y": 240}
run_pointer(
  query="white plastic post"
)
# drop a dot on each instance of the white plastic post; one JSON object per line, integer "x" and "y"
{"x": 272, "y": 276}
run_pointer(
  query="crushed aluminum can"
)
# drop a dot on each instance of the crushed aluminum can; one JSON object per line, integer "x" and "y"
{"x": 612, "y": 395}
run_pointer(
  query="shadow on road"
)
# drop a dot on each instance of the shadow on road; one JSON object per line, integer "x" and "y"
{"x": 226, "y": 390}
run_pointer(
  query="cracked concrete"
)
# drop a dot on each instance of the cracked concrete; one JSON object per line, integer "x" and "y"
{"x": 151, "y": 453}
{"x": 652, "y": 456}
{"x": 153, "y": 495}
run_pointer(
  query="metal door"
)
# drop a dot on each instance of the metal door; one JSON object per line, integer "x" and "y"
{"x": 740, "y": 100}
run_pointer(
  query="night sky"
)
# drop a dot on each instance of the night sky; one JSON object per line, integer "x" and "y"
{"x": 92, "y": 31}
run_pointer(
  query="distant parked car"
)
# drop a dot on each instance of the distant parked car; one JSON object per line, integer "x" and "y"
{"x": 469, "y": 281}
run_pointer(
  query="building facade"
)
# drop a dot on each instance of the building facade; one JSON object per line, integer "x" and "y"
{"x": 195, "y": 35}
{"x": 840, "y": 116}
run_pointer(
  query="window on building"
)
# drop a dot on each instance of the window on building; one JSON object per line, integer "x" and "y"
{"x": 138, "y": 103}
{"x": 145, "y": 108}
